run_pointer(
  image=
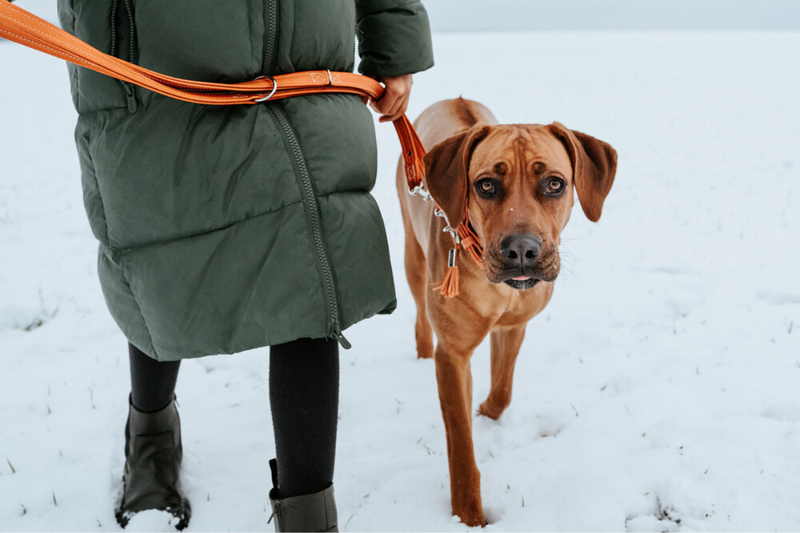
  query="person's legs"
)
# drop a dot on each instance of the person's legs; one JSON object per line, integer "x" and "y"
{"x": 152, "y": 382}
{"x": 304, "y": 396}
{"x": 153, "y": 451}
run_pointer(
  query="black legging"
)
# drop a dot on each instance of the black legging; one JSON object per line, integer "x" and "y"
{"x": 303, "y": 394}
{"x": 152, "y": 382}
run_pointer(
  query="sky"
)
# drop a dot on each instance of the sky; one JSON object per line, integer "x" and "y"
{"x": 545, "y": 15}
{"x": 555, "y": 15}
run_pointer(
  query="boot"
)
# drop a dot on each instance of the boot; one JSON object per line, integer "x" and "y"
{"x": 153, "y": 455}
{"x": 309, "y": 512}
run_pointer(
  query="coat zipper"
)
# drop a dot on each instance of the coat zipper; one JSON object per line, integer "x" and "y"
{"x": 270, "y": 36}
{"x": 304, "y": 178}
{"x": 312, "y": 208}
{"x": 129, "y": 88}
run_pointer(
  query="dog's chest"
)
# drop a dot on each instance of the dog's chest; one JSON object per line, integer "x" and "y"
{"x": 521, "y": 306}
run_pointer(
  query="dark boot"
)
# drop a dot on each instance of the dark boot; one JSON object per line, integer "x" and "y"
{"x": 153, "y": 455}
{"x": 309, "y": 512}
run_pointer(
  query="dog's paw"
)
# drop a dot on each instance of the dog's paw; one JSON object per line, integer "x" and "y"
{"x": 491, "y": 411}
{"x": 470, "y": 518}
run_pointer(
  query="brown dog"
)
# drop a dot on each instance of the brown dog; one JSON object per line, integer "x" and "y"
{"x": 517, "y": 183}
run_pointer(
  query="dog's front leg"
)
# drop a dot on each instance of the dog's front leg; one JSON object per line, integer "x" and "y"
{"x": 506, "y": 342}
{"x": 455, "y": 394}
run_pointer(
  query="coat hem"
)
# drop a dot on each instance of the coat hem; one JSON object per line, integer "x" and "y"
{"x": 385, "y": 308}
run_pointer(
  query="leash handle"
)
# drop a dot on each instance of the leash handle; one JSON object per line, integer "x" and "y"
{"x": 22, "y": 27}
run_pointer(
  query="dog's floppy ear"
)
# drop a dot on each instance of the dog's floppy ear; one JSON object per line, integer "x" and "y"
{"x": 446, "y": 167}
{"x": 594, "y": 164}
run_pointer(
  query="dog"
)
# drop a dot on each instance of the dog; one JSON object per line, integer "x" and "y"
{"x": 517, "y": 183}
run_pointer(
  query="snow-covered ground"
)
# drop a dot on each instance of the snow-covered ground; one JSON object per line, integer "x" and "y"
{"x": 659, "y": 391}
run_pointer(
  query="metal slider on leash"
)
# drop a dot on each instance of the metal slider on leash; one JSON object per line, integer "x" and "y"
{"x": 274, "y": 88}
{"x": 275, "y": 85}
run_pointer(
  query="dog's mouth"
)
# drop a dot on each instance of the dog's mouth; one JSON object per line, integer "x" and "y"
{"x": 522, "y": 283}
{"x": 519, "y": 277}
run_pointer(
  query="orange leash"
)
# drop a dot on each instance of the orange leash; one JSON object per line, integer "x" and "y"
{"x": 24, "y": 28}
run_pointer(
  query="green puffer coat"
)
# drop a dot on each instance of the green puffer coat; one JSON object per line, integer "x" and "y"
{"x": 228, "y": 228}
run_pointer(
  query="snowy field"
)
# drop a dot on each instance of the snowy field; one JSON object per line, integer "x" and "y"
{"x": 657, "y": 392}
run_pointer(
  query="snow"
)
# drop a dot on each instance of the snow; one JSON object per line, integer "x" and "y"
{"x": 657, "y": 392}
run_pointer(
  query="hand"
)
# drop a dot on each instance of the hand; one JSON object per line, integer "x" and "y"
{"x": 394, "y": 101}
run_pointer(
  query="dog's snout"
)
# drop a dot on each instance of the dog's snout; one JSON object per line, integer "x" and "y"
{"x": 523, "y": 249}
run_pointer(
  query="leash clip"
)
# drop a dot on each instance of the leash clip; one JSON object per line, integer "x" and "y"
{"x": 419, "y": 191}
{"x": 453, "y": 233}
{"x": 274, "y": 88}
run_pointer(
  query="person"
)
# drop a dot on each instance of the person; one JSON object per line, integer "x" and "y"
{"x": 227, "y": 228}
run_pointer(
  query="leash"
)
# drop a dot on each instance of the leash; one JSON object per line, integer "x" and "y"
{"x": 22, "y": 27}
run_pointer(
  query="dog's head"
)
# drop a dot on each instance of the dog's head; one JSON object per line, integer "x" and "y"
{"x": 517, "y": 182}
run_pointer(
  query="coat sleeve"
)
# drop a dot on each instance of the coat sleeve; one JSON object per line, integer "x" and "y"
{"x": 394, "y": 37}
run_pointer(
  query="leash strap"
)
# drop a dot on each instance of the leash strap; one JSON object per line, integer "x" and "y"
{"x": 25, "y": 28}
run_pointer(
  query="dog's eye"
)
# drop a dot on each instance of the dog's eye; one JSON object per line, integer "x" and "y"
{"x": 555, "y": 185}
{"x": 487, "y": 188}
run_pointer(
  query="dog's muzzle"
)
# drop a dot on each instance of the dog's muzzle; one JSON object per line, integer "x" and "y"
{"x": 519, "y": 258}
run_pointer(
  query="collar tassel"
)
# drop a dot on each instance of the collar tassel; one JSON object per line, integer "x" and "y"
{"x": 448, "y": 286}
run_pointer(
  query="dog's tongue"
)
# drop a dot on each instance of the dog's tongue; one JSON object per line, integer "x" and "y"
{"x": 521, "y": 278}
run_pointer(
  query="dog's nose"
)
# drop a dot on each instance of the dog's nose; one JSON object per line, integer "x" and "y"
{"x": 523, "y": 249}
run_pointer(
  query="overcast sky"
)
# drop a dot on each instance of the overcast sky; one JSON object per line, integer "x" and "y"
{"x": 544, "y": 15}
{"x": 538, "y": 15}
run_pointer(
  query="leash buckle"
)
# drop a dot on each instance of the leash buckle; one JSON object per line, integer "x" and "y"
{"x": 274, "y": 88}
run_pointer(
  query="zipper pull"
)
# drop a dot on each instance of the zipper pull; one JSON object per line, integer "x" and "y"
{"x": 339, "y": 336}
{"x": 344, "y": 342}
{"x": 130, "y": 94}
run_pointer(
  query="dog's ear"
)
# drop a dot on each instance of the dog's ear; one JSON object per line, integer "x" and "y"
{"x": 446, "y": 167}
{"x": 594, "y": 165}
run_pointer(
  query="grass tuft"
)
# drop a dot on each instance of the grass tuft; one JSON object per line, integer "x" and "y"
{"x": 36, "y": 323}
{"x": 13, "y": 470}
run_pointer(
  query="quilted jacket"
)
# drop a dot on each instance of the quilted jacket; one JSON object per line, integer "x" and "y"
{"x": 226, "y": 228}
